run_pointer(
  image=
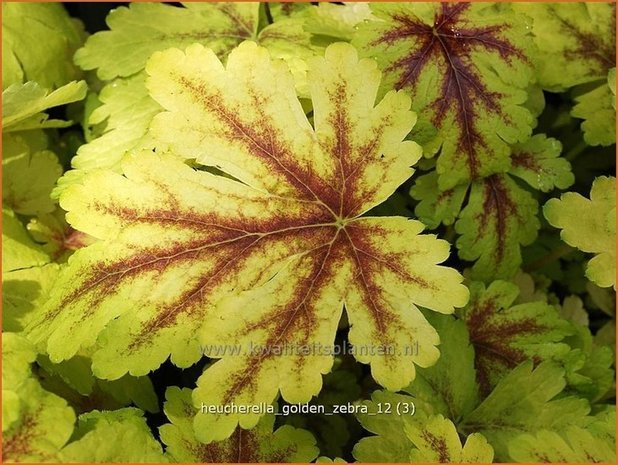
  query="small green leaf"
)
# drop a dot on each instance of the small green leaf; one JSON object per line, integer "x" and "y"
{"x": 449, "y": 387}
{"x": 597, "y": 107}
{"x": 116, "y": 436}
{"x": 18, "y": 249}
{"x": 436, "y": 206}
{"x": 504, "y": 335}
{"x": 523, "y": 402}
{"x": 259, "y": 444}
{"x": 589, "y": 225}
{"x": 538, "y": 162}
{"x": 27, "y": 177}
{"x": 390, "y": 443}
{"x": 23, "y": 104}
{"x": 499, "y": 217}
{"x": 576, "y": 41}
{"x": 436, "y": 441}
{"x": 573, "y": 444}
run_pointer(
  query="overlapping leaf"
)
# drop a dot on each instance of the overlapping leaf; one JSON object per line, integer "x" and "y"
{"x": 38, "y": 42}
{"x": 576, "y": 41}
{"x": 498, "y": 216}
{"x": 437, "y": 441}
{"x": 524, "y": 402}
{"x": 200, "y": 259}
{"x": 467, "y": 67}
{"x": 574, "y": 444}
{"x": 597, "y": 107}
{"x": 258, "y": 445}
{"x": 127, "y": 108}
{"x": 590, "y": 225}
{"x": 23, "y": 104}
{"x": 113, "y": 436}
{"x": 504, "y": 335}
{"x": 35, "y": 423}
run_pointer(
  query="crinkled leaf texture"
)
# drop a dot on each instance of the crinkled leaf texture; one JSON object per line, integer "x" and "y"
{"x": 189, "y": 259}
{"x": 467, "y": 66}
{"x": 258, "y": 445}
{"x": 590, "y": 225}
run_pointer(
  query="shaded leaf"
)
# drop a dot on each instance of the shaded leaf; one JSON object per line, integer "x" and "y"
{"x": 23, "y": 104}
{"x": 499, "y": 217}
{"x": 589, "y": 225}
{"x": 537, "y": 161}
{"x": 118, "y": 436}
{"x": 504, "y": 335}
{"x": 467, "y": 67}
{"x": 523, "y": 402}
{"x": 38, "y": 42}
{"x": 598, "y": 108}
{"x": 576, "y": 41}
{"x": 27, "y": 177}
{"x": 437, "y": 441}
{"x": 258, "y": 445}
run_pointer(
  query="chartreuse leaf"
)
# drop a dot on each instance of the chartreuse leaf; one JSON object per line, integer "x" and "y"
{"x": 537, "y": 161}
{"x": 598, "y": 108}
{"x": 573, "y": 444}
{"x": 137, "y": 31}
{"x": 523, "y": 402}
{"x": 23, "y": 104}
{"x": 437, "y": 441}
{"x": 390, "y": 443}
{"x": 504, "y": 335}
{"x": 114, "y": 436}
{"x": 449, "y": 387}
{"x": 257, "y": 445}
{"x": 127, "y": 108}
{"x": 576, "y": 41}
{"x": 24, "y": 291}
{"x": 436, "y": 206}
{"x": 19, "y": 251}
{"x": 73, "y": 380}
{"x": 17, "y": 355}
{"x": 27, "y": 177}
{"x": 44, "y": 425}
{"x": 35, "y": 423}
{"x": 188, "y": 252}
{"x": 589, "y": 225}
{"x": 126, "y": 112}
{"x": 467, "y": 67}
{"x": 500, "y": 217}
{"x": 38, "y": 42}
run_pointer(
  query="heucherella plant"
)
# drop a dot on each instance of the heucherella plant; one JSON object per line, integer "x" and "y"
{"x": 296, "y": 232}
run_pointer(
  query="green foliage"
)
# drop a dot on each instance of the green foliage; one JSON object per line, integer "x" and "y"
{"x": 224, "y": 197}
